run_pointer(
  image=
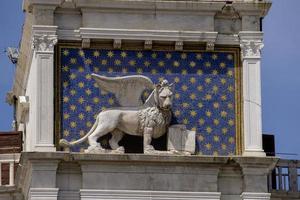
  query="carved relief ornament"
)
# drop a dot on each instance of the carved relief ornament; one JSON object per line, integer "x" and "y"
{"x": 251, "y": 48}
{"x": 44, "y": 42}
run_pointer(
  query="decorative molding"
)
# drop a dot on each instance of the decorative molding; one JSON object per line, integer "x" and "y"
{"x": 43, "y": 193}
{"x": 255, "y": 196}
{"x": 154, "y": 35}
{"x": 145, "y": 195}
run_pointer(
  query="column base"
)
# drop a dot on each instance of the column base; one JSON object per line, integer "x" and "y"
{"x": 254, "y": 153}
{"x": 43, "y": 193}
{"x": 146, "y": 195}
{"x": 255, "y": 196}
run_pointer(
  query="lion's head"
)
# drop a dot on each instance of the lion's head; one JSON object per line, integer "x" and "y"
{"x": 163, "y": 95}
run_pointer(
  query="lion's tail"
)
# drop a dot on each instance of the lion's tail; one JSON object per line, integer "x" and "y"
{"x": 65, "y": 143}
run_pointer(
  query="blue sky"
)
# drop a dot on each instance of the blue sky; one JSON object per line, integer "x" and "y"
{"x": 280, "y": 70}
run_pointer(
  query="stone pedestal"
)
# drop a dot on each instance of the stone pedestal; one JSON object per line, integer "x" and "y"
{"x": 137, "y": 176}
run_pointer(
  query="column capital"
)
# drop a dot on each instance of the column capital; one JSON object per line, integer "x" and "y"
{"x": 251, "y": 44}
{"x": 44, "y": 38}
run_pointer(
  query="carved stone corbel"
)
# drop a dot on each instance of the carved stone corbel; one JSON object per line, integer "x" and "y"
{"x": 179, "y": 45}
{"x": 117, "y": 44}
{"x": 210, "y": 46}
{"x": 148, "y": 45}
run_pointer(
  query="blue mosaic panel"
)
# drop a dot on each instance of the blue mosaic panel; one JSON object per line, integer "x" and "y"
{"x": 204, "y": 99}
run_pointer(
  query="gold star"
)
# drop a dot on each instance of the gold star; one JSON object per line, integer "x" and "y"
{"x": 229, "y": 57}
{"x": 176, "y": 64}
{"x": 185, "y": 121}
{"x": 223, "y": 81}
{"x": 208, "y": 146}
{"x": 72, "y": 92}
{"x": 81, "y": 84}
{"x": 96, "y": 54}
{"x": 207, "y": 64}
{"x": 184, "y": 72}
{"x": 230, "y": 73}
{"x": 216, "y": 122}
{"x": 88, "y": 124}
{"x": 65, "y": 68}
{"x": 200, "y": 138}
{"x": 177, "y": 113}
{"x": 208, "y": 80}
{"x": 222, "y": 65}
{"x": 168, "y": 71}
{"x": 200, "y": 105}
{"x": 201, "y": 121}
{"x": 88, "y": 76}
{"x": 224, "y": 97}
{"x": 153, "y": 71}
{"x": 184, "y": 87}
{"x": 209, "y": 129}
{"x": 154, "y": 55}
{"x": 200, "y": 88}
{"x": 147, "y": 63}
{"x": 192, "y": 80}
{"x": 66, "y": 116}
{"x": 96, "y": 100}
{"x": 81, "y": 100}
{"x": 161, "y": 63}
{"x": 215, "y": 89}
{"x": 208, "y": 113}
{"x": 224, "y": 131}
{"x": 199, "y": 72}
{"x": 132, "y": 62}
{"x": 231, "y": 140}
{"x": 80, "y": 69}
{"x": 223, "y": 113}
{"x": 224, "y": 147}
{"x": 111, "y": 101}
{"x": 216, "y": 138}
{"x": 66, "y": 133}
{"x": 104, "y": 62}
{"x": 110, "y": 70}
{"x": 208, "y": 97}
{"x": 73, "y": 124}
{"x": 168, "y": 55}
{"x": 177, "y": 96}
{"x": 230, "y": 105}
{"x": 193, "y": 96}
{"x": 139, "y": 55}
{"x": 192, "y": 64}
{"x": 215, "y": 72}
{"x": 183, "y": 56}
{"x": 72, "y": 107}
{"x": 66, "y": 99}
{"x": 88, "y": 61}
{"x": 72, "y": 76}
{"x": 215, "y": 153}
{"x": 96, "y": 69}
{"x": 81, "y": 53}
{"x": 124, "y": 70}
{"x": 123, "y": 54}
{"x": 199, "y": 56}
{"x": 185, "y": 105}
{"x": 88, "y": 108}
{"x": 176, "y": 79}
{"x": 118, "y": 62}
{"x": 66, "y": 52}
{"x": 214, "y": 56}
{"x": 216, "y": 105}
{"x": 110, "y": 54}
{"x": 65, "y": 84}
{"x": 193, "y": 113}
{"x": 81, "y": 116}
{"x": 230, "y": 88}
{"x": 73, "y": 60}
{"x": 231, "y": 122}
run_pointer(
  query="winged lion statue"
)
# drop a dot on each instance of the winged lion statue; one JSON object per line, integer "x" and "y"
{"x": 149, "y": 120}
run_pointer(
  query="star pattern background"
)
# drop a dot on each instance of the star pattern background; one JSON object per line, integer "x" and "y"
{"x": 204, "y": 99}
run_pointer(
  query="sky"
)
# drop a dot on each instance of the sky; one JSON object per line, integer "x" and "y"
{"x": 280, "y": 71}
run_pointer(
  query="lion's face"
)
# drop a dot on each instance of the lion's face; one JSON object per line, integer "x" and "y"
{"x": 164, "y": 96}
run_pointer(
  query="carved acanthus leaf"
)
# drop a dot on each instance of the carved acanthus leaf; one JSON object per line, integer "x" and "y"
{"x": 44, "y": 42}
{"x": 251, "y": 48}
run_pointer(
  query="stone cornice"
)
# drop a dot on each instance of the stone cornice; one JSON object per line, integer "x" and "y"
{"x": 251, "y": 7}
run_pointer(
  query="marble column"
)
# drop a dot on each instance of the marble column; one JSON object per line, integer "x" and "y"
{"x": 42, "y": 110}
{"x": 251, "y": 45}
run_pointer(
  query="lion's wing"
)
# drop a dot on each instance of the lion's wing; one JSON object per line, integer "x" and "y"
{"x": 127, "y": 89}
